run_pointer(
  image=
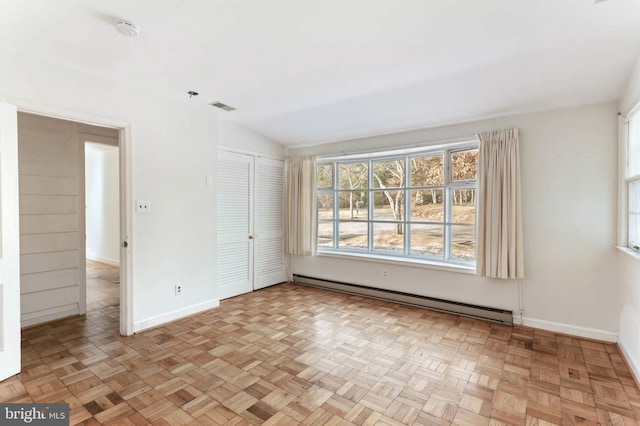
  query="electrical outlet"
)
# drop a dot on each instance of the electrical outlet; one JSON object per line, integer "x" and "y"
{"x": 178, "y": 289}
{"x": 385, "y": 274}
{"x": 143, "y": 206}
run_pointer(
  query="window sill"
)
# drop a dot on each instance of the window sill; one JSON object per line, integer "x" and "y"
{"x": 419, "y": 263}
{"x": 629, "y": 252}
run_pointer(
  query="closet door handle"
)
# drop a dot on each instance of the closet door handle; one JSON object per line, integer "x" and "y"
{"x": 251, "y": 237}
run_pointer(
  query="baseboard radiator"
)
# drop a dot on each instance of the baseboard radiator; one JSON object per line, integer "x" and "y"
{"x": 472, "y": 311}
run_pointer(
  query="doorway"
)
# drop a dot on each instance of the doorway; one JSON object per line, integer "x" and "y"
{"x": 53, "y": 278}
{"x": 102, "y": 224}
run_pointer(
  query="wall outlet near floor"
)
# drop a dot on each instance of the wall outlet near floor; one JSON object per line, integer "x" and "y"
{"x": 178, "y": 289}
{"x": 385, "y": 274}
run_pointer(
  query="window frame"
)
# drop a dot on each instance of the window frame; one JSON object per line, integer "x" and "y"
{"x": 446, "y": 257}
{"x": 632, "y": 243}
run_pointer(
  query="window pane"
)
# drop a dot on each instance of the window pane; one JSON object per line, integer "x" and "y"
{"x": 634, "y": 213}
{"x": 353, "y": 205}
{"x": 402, "y": 205}
{"x": 388, "y": 174}
{"x": 463, "y": 242}
{"x": 325, "y": 206}
{"x": 324, "y": 176}
{"x": 464, "y": 165}
{"x": 325, "y": 234}
{"x": 633, "y": 157}
{"x": 427, "y": 170}
{"x": 353, "y": 176}
{"x": 463, "y": 209}
{"x": 353, "y": 235}
{"x": 427, "y": 240}
{"x": 427, "y": 205}
{"x": 388, "y": 237}
{"x": 388, "y": 205}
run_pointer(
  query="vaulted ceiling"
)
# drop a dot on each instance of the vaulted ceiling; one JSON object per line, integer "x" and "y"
{"x": 308, "y": 71}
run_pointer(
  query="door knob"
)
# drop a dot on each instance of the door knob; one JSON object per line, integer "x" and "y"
{"x": 251, "y": 237}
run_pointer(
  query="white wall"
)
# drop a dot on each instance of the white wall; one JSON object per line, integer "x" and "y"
{"x": 631, "y": 92}
{"x": 102, "y": 220}
{"x": 629, "y": 267}
{"x": 236, "y": 137}
{"x": 173, "y": 147}
{"x": 568, "y": 162}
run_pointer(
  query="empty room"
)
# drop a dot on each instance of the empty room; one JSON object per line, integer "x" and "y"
{"x": 294, "y": 212}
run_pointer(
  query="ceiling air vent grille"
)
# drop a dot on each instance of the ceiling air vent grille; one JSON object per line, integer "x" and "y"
{"x": 222, "y": 106}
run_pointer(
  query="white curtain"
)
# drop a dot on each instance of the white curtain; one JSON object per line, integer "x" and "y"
{"x": 302, "y": 224}
{"x": 499, "y": 216}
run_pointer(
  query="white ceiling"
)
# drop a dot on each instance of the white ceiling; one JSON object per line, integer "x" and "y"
{"x": 310, "y": 71}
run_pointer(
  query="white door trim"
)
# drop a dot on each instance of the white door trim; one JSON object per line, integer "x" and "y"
{"x": 126, "y": 223}
{"x": 10, "y": 354}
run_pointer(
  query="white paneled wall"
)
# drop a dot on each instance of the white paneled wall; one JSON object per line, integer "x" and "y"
{"x": 50, "y": 237}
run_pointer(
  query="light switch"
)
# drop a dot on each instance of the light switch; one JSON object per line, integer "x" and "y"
{"x": 208, "y": 181}
{"x": 143, "y": 206}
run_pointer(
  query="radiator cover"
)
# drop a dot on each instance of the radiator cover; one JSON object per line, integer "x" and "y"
{"x": 464, "y": 309}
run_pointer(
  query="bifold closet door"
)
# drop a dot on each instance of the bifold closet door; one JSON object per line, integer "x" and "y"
{"x": 250, "y": 223}
{"x": 269, "y": 223}
{"x": 235, "y": 224}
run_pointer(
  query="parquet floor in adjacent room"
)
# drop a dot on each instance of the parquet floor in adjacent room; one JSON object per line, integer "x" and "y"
{"x": 296, "y": 355}
{"x": 103, "y": 285}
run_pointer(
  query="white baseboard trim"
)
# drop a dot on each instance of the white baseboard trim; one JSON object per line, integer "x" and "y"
{"x": 635, "y": 368}
{"x": 175, "y": 315}
{"x": 39, "y": 317}
{"x": 110, "y": 262}
{"x": 574, "y": 330}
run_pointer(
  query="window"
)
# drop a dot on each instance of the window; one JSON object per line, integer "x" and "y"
{"x": 633, "y": 182}
{"x": 416, "y": 205}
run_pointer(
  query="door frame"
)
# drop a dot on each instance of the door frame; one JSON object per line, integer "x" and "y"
{"x": 126, "y": 169}
{"x": 10, "y": 333}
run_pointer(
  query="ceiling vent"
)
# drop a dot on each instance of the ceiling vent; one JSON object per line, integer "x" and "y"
{"x": 222, "y": 106}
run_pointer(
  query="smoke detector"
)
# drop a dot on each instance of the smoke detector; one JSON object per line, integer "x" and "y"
{"x": 127, "y": 29}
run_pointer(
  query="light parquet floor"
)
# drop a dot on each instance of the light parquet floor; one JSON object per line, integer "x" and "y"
{"x": 103, "y": 285}
{"x": 296, "y": 355}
